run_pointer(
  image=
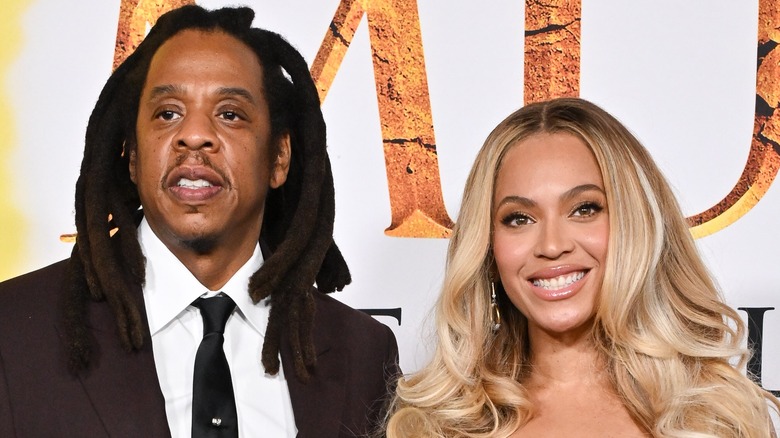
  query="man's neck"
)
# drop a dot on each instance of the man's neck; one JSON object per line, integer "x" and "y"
{"x": 214, "y": 268}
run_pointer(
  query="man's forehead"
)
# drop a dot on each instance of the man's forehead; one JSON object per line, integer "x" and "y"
{"x": 189, "y": 43}
{"x": 195, "y": 55}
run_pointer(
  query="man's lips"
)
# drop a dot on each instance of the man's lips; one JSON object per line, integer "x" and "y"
{"x": 206, "y": 176}
{"x": 194, "y": 183}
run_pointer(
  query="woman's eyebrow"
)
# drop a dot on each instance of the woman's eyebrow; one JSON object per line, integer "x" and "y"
{"x": 575, "y": 191}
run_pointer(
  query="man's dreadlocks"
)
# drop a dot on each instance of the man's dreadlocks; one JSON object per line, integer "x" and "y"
{"x": 111, "y": 269}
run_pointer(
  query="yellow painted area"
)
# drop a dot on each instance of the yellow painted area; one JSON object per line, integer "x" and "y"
{"x": 728, "y": 217}
{"x": 13, "y": 227}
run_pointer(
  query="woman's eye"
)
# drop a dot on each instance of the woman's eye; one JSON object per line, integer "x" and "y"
{"x": 517, "y": 219}
{"x": 587, "y": 209}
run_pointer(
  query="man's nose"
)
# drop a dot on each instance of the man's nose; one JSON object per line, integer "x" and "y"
{"x": 197, "y": 131}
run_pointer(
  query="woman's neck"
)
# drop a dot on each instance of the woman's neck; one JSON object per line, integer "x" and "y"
{"x": 570, "y": 358}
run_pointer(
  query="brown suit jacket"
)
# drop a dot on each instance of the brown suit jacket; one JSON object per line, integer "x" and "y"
{"x": 119, "y": 396}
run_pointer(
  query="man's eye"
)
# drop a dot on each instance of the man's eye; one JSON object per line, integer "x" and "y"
{"x": 167, "y": 115}
{"x": 230, "y": 115}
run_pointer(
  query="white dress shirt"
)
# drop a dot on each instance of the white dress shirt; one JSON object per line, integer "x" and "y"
{"x": 262, "y": 401}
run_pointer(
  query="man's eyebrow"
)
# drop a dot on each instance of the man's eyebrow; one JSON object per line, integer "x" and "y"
{"x": 171, "y": 89}
{"x": 167, "y": 89}
{"x": 238, "y": 92}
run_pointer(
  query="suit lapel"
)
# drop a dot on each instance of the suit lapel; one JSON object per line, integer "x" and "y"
{"x": 123, "y": 386}
{"x": 317, "y": 404}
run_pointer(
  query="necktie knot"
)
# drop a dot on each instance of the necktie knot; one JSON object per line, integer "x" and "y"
{"x": 215, "y": 312}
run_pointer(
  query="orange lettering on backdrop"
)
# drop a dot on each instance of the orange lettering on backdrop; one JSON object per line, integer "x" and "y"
{"x": 335, "y": 44}
{"x": 552, "y": 69}
{"x": 135, "y": 19}
{"x": 552, "y": 49}
{"x": 764, "y": 156}
{"x": 412, "y": 166}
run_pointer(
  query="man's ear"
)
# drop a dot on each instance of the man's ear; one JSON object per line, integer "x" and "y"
{"x": 131, "y": 159}
{"x": 281, "y": 161}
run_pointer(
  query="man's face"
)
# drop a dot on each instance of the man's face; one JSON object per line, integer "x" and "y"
{"x": 204, "y": 159}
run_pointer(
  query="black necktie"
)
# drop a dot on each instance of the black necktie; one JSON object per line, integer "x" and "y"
{"x": 213, "y": 404}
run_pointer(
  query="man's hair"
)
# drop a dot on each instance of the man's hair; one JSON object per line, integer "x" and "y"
{"x": 110, "y": 267}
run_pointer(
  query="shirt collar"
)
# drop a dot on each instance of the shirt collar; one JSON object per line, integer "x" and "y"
{"x": 170, "y": 287}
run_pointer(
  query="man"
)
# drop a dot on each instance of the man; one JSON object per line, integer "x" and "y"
{"x": 199, "y": 152}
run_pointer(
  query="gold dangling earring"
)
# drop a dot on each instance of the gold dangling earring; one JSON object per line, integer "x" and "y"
{"x": 495, "y": 315}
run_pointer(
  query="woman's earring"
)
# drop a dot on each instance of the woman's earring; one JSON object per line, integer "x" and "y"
{"x": 495, "y": 315}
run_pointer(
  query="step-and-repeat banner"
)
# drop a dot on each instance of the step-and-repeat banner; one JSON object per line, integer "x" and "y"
{"x": 410, "y": 89}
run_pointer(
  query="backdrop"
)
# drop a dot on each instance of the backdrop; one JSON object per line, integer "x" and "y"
{"x": 410, "y": 89}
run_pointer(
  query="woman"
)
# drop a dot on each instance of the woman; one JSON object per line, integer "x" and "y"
{"x": 575, "y": 303}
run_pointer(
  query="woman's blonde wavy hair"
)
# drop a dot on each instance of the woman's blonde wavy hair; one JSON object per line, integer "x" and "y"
{"x": 661, "y": 325}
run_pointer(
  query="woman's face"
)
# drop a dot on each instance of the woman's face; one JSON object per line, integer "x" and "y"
{"x": 551, "y": 229}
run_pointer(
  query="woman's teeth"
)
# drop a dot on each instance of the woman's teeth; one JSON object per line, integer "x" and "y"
{"x": 559, "y": 282}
